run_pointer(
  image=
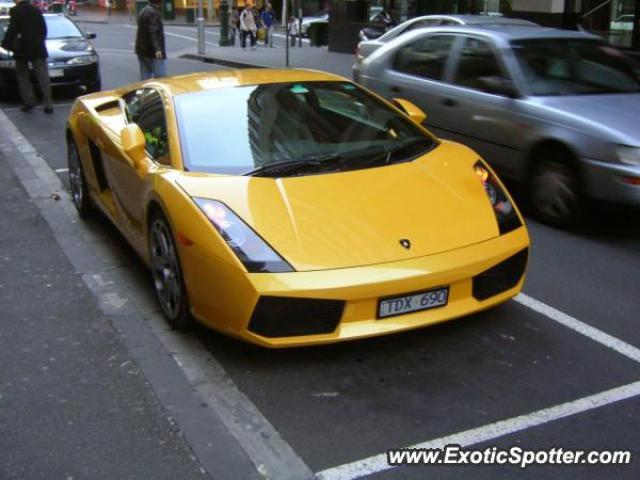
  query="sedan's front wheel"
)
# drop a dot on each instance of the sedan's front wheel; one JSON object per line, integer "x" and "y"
{"x": 555, "y": 194}
{"x": 167, "y": 274}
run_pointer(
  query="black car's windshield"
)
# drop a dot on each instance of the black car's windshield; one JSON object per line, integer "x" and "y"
{"x": 61, "y": 27}
{"x": 575, "y": 67}
{"x": 297, "y": 128}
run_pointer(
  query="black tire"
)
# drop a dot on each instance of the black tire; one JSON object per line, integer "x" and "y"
{"x": 555, "y": 190}
{"x": 166, "y": 273}
{"x": 77, "y": 181}
{"x": 94, "y": 87}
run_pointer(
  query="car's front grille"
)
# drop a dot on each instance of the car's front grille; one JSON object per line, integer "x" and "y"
{"x": 290, "y": 317}
{"x": 501, "y": 277}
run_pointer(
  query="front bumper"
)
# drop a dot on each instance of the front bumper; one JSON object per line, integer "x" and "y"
{"x": 611, "y": 181}
{"x": 232, "y": 306}
{"x": 69, "y": 75}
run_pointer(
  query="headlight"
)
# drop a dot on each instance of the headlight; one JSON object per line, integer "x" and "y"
{"x": 504, "y": 210}
{"x": 83, "y": 60}
{"x": 250, "y": 248}
{"x": 628, "y": 155}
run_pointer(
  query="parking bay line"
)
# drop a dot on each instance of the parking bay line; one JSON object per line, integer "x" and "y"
{"x": 378, "y": 463}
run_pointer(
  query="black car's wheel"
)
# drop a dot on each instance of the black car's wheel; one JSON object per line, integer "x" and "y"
{"x": 94, "y": 87}
{"x": 77, "y": 181}
{"x": 555, "y": 191}
{"x": 167, "y": 273}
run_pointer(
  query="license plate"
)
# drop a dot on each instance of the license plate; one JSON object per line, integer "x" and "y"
{"x": 391, "y": 306}
{"x": 56, "y": 72}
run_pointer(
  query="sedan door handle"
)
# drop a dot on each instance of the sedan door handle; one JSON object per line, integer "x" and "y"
{"x": 395, "y": 89}
{"x": 449, "y": 102}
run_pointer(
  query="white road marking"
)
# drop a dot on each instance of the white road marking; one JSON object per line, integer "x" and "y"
{"x": 378, "y": 463}
{"x": 582, "y": 328}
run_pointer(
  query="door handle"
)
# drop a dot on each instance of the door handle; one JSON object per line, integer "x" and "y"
{"x": 395, "y": 89}
{"x": 449, "y": 102}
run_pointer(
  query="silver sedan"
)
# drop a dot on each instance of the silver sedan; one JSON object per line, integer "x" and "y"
{"x": 553, "y": 108}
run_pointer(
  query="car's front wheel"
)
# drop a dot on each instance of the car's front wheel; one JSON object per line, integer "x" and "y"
{"x": 167, "y": 273}
{"x": 77, "y": 181}
{"x": 555, "y": 192}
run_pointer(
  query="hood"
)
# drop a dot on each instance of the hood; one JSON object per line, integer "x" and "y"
{"x": 615, "y": 114}
{"x": 68, "y": 47}
{"x": 358, "y": 217}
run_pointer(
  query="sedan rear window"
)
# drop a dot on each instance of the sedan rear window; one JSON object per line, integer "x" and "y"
{"x": 575, "y": 67}
{"x": 239, "y": 130}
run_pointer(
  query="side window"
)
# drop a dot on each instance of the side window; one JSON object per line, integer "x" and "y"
{"x": 145, "y": 108}
{"x": 426, "y": 57}
{"x": 477, "y": 62}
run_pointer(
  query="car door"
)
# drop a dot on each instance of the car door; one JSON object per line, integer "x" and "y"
{"x": 416, "y": 71}
{"x": 476, "y": 111}
{"x": 145, "y": 108}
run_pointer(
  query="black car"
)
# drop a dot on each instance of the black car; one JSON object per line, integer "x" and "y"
{"x": 72, "y": 59}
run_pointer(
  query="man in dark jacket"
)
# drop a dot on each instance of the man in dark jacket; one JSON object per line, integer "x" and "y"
{"x": 150, "y": 42}
{"x": 25, "y": 37}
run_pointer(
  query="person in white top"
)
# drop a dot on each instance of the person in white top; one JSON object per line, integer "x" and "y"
{"x": 248, "y": 27}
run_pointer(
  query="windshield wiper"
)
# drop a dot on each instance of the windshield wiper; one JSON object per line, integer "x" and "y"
{"x": 284, "y": 167}
{"x": 411, "y": 147}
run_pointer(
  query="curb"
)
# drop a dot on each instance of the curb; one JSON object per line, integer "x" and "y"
{"x": 221, "y": 61}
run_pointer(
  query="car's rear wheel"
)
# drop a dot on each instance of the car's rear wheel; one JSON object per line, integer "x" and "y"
{"x": 555, "y": 191}
{"x": 77, "y": 181}
{"x": 167, "y": 273}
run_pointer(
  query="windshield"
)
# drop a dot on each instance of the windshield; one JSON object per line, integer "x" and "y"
{"x": 575, "y": 67}
{"x": 61, "y": 27}
{"x": 237, "y": 130}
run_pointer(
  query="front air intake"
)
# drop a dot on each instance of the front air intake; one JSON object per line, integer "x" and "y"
{"x": 289, "y": 317}
{"x": 500, "y": 277}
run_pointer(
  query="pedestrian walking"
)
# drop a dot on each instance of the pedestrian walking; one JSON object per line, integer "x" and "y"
{"x": 107, "y": 3}
{"x": 293, "y": 29}
{"x": 248, "y": 27}
{"x": 234, "y": 24}
{"x": 268, "y": 19}
{"x": 150, "y": 47}
{"x": 25, "y": 37}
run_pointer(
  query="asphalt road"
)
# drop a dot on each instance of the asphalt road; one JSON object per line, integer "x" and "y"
{"x": 562, "y": 376}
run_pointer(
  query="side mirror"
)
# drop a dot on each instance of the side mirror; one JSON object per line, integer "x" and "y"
{"x": 499, "y": 86}
{"x": 89, "y": 36}
{"x": 414, "y": 112}
{"x": 133, "y": 144}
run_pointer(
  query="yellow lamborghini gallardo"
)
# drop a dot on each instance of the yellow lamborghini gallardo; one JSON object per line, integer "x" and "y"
{"x": 293, "y": 207}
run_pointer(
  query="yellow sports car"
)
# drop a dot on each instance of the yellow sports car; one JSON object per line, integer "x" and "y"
{"x": 294, "y": 207}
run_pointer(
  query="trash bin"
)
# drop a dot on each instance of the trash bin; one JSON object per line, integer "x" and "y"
{"x": 168, "y": 10}
{"x": 190, "y": 14}
{"x": 318, "y": 34}
{"x": 140, "y": 4}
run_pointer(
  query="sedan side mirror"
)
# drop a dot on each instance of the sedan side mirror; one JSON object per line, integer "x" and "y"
{"x": 89, "y": 36}
{"x": 133, "y": 143}
{"x": 414, "y": 112}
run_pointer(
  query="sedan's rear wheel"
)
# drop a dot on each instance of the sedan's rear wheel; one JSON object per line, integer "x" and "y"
{"x": 555, "y": 193}
{"x": 77, "y": 181}
{"x": 167, "y": 274}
